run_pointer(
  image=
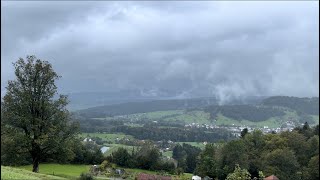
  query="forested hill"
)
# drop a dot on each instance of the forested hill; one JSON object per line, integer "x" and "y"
{"x": 301, "y": 105}
{"x": 159, "y": 105}
{"x": 254, "y": 109}
{"x": 142, "y": 107}
{"x": 252, "y": 113}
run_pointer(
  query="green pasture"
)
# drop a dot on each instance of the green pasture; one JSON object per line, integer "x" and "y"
{"x": 16, "y": 173}
{"x": 106, "y": 137}
{"x": 69, "y": 171}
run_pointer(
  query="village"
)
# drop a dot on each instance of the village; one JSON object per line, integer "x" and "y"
{"x": 236, "y": 130}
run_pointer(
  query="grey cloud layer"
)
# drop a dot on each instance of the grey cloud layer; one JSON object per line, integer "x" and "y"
{"x": 204, "y": 48}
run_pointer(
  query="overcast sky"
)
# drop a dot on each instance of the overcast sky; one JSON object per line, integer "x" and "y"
{"x": 218, "y": 48}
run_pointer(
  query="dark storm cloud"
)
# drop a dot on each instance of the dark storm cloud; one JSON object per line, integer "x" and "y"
{"x": 222, "y": 49}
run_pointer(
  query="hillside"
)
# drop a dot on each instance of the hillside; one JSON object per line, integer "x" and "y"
{"x": 272, "y": 112}
{"x": 158, "y": 105}
{"x": 15, "y": 173}
{"x": 301, "y": 105}
{"x": 245, "y": 112}
{"x": 143, "y": 107}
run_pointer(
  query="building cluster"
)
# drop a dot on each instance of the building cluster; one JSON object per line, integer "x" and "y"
{"x": 236, "y": 129}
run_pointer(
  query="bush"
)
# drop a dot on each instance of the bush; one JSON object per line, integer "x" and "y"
{"x": 105, "y": 164}
{"x": 85, "y": 176}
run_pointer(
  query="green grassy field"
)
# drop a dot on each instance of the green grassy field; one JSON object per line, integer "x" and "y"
{"x": 200, "y": 117}
{"x": 135, "y": 172}
{"x": 106, "y": 137}
{"x": 161, "y": 114}
{"x": 196, "y": 144}
{"x": 114, "y": 147}
{"x": 167, "y": 154}
{"x": 273, "y": 122}
{"x": 70, "y": 171}
{"x": 16, "y": 173}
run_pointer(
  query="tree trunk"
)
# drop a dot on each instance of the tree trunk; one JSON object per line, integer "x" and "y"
{"x": 35, "y": 163}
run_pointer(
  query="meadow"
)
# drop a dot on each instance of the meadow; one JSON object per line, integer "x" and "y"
{"x": 167, "y": 153}
{"x": 107, "y": 136}
{"x": 202, "y": 117}
{"x": 196, "y": 144}
{"x": 16, "y": 173}
{"x": 114, "y": 147}
{"x": 69, "y": 171}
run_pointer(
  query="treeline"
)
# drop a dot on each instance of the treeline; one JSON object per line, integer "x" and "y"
{"x": 150, "y": 158}
{"x": 77, "y": 153}
{"x": 245, "y": 112}
{"x": 288, "y": 155}
{"x": 146, "y": 157}
{"x": 186, "y": 157}
{"x": 175, "y": 134}
{"x": 301, "y": 105}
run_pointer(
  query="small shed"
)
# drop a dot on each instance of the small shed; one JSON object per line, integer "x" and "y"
{"x": 272, "y": 177}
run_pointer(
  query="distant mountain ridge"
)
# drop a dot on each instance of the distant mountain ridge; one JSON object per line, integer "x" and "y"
{"x": 159, "y": 105}
{"x": 251, "y": 108}
{"x": 83, "y": 100}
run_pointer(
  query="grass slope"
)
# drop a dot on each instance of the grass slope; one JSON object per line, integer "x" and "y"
{"x": 66, "y": 171}
{"x": 70, "y": 171}
{"x": 15, "y": 173}
{"x": 167, "y": 154}
{"x": 114, "y": 147}
{"x": 135, "y": 172}
{"x": 200, "y": 117}
{"x": 196, "y": 144}
{"x": 107, "y": 137}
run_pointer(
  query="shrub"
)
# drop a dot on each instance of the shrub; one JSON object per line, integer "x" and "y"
{"x": 85, "y": 176}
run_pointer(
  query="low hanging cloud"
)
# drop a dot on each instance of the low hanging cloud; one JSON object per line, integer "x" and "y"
{"x": 222, "y": 49}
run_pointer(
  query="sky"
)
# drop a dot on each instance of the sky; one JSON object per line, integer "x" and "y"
{"x": 209, "y": 48}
